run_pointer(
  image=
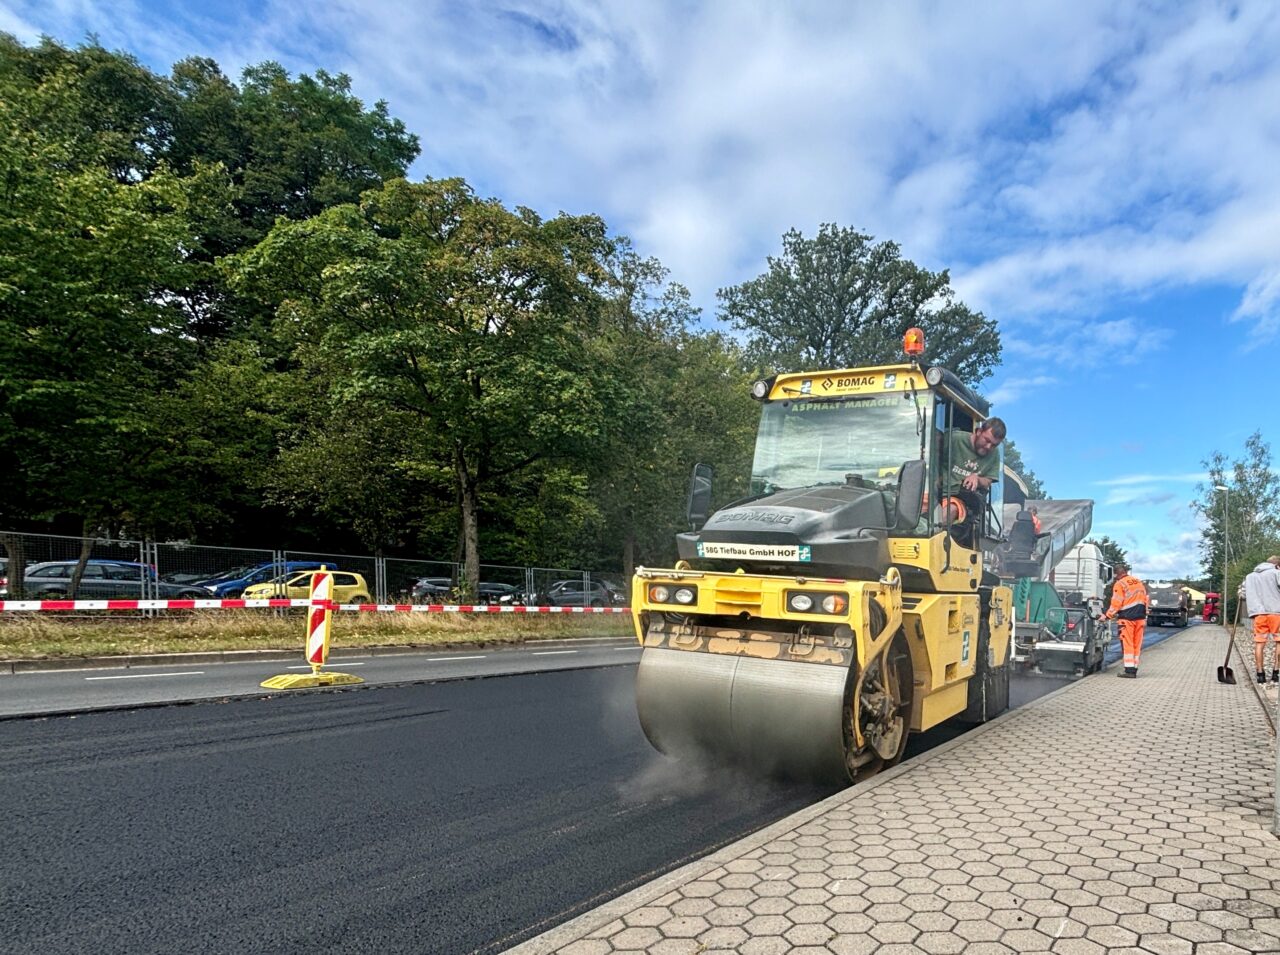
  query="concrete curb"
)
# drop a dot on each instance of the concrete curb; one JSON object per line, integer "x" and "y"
{"x": 581, "y": 926}
{"x": 129, "y": 661}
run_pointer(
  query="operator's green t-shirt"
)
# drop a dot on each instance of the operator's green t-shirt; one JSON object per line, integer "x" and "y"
{"x": 962, "y": 460}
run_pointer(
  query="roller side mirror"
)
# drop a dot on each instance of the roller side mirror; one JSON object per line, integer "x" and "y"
{"x": 699, "y": 508}
{"x": 911, "y": 480}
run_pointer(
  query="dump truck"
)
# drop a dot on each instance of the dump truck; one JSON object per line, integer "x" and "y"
{"x": 1046, "y": 562}
{"x": 1168, "y": 605}
{"x": 809, "y": 628}
{"x": 1212, "y": 612}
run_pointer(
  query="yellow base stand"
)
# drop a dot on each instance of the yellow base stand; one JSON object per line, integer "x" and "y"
{"x": 300, "y": 681}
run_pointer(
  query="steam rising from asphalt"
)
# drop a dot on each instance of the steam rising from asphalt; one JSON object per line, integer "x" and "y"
{"x": 661, "y": 778}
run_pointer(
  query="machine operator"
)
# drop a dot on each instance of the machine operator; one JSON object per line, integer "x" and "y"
{"x": 971, "y": 467}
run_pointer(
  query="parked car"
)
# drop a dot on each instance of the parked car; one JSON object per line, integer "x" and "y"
{"x": 184, "y": 577}
{"x": 431, "y": 590}
{"x": 102, "y": 580}
{"x": 573, "y": 593}
{"x": 443, "y": 590}
{"x": 495, "y": 593}
{"x": 348, "y": 588}
{"x": 232, "y": 583}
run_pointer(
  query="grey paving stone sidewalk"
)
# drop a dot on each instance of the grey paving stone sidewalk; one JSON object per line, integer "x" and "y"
{"x": 1114, "y": 816}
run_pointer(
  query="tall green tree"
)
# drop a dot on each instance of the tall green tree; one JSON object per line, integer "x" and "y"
{"x": 292, "y": 146}
{"x": 1112, "y": 552}
{"x": 89, "y": 331}
{"x": 108, "y": 111}
{"x": 842, "y": 300}
{"x": 1013, "y": 460}
{"x": 119, "y": 188}
{"x": 469, "y": 319}
{"x": 672, "y": 397}
{"x": 1242, "y": 523}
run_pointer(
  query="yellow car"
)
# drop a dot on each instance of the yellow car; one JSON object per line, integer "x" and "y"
{"x": 348, "y": 588}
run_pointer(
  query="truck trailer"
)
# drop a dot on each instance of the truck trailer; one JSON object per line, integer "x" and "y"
{"x": 1168, "y": 605}
{"x": 809, "y": 628}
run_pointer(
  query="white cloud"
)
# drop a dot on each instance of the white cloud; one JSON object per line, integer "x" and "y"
{"x": 1176, "y": 557}
{"x": 1153, "y": 478}
{"x": 1011, "y": 389}
{"x": 1137, "y": 496}
{"x": 1062, "y": 154}
{"x": 12, "y": 23}
{"x": 1261, "y": 303}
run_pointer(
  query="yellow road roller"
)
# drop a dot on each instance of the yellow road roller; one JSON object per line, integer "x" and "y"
{"x": 807, "y": 629}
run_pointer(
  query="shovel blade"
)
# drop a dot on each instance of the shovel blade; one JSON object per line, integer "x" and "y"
{"x": 1225, "y": 675}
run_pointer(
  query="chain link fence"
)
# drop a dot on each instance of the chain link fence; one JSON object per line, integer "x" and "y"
{"x": 57, "y": 567}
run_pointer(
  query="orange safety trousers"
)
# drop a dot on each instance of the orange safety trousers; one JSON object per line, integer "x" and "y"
{"x": 1131, "y": 641}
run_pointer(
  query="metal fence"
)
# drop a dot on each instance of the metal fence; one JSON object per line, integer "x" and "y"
{"x": 148, "y": 569}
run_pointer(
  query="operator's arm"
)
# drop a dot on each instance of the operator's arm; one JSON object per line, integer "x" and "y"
{"x": 976, "y": 482}
{"x": 1116, "y": 597}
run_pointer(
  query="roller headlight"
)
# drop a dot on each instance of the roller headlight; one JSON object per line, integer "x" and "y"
{"x": 801, "y": 603}
{"x": 835, "y": 603}
{"x": 668, "y": 593}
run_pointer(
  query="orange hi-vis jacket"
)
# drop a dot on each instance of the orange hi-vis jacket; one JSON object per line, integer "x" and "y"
{"x": 1127, "y": 594}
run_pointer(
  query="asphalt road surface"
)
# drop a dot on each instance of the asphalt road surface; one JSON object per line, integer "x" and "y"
{"x": 458, "y": 817}
{"x": 63, "y": 691}
{"x": 455, "y": 817}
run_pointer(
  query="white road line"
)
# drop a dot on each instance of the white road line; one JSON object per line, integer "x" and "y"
{"x": 627, "y": 648}
{"x": 342, "y": 663}
{"x": 145, "y": 676}
{"x": 453, "y": 659}
{"x": 549, "y": 653}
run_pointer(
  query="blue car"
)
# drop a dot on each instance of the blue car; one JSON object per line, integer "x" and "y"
{"x": 231, "y": 584}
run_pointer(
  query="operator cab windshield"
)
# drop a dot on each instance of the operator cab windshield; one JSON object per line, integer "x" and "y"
{"x": 825, "y": 441}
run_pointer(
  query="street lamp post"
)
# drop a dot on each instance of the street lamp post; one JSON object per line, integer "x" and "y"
{"x": 1226, "y": 537}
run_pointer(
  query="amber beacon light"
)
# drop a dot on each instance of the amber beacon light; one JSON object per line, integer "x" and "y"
{"x": 913, "y": 342}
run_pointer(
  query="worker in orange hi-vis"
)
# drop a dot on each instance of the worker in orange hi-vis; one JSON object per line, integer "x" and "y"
{"x": 1129, "y": 602}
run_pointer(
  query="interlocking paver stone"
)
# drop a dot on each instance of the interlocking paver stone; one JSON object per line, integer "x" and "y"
{"x": 1142, "y": 830}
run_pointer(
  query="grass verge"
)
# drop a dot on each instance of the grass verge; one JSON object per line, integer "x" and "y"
{"x": 48, "y": 636}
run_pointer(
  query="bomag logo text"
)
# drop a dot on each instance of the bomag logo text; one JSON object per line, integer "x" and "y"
{"x": 763, "y": 517}
{"x": 860, "y": 381}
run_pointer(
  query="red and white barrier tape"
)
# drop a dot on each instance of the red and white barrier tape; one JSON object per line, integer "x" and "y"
{"x": 9, "y": 606}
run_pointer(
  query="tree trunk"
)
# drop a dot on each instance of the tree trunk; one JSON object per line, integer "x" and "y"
{"x": 469, "y": 498}
{"x": 629, "y": 557}
{"x": 86, "y": 548}
{"x": 16, "y": 570}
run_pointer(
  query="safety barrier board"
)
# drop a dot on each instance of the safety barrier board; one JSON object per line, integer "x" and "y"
{"x": 7, "y": 606}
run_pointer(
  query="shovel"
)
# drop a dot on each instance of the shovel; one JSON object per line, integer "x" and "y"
{"x": 1225, "y": 674}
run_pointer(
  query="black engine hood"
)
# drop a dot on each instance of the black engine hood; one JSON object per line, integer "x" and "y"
{"x": 841, "y": 529}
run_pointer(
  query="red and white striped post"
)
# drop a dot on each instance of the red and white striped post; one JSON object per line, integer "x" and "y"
{"x": 319, "y": 618}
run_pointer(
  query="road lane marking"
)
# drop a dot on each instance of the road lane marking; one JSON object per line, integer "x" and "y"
{"x": 145, "y": 676}
{"x": 628, "y": 648}
{"x": 453, "y": 659}
{"x": 548, "y": 653}
{"x": 307, "y": 666}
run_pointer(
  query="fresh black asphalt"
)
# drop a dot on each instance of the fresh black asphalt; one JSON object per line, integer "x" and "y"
{"x": 447, "y": 818}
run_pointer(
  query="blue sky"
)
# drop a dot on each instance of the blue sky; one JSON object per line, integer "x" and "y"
{"x": 1100, "y": 178}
